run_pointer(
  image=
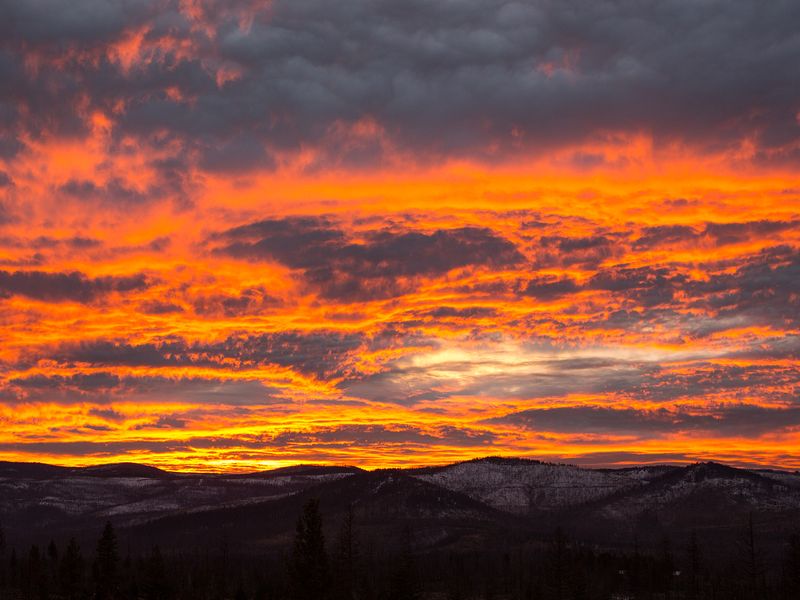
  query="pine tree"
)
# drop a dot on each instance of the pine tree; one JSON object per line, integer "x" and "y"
{"x": 667, "y": 565}
{"x": 556, "y": 566}
{"x": 635, "y": 570}
{"x": 221, "y": 569}
{"x": 791, "y": 568}
{"x": 309, "y": 577}
{"x": 751, "y": 564}
{"x": 403, "y": 582}
{"x": 71, "y": 572}
{"x": 3, "y": 576}
{"x": 693, "y": 567}
{"x": 36, "y": 575}
{"x": 106, "y": 565}
{"x": 13, "y": 569}
{"x": 156, "y": 585}
{"x": 346, "y": 559}
{"x": 52, "y": 561}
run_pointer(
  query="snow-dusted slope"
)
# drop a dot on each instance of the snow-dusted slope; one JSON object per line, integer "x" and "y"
{"x": 391, "y": 510}
{"x": 52, "y": 495}
{"x": 790, "y": 480}
{"x": 521, "y": 486}
{"x": 708, "y": 487}
{"x": 486, "y": 494}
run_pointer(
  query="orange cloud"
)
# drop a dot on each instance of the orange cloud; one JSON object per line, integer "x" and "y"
{"x": 203, "y": 267}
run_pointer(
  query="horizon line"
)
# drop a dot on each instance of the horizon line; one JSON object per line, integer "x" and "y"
{"x": 588, "y": 467}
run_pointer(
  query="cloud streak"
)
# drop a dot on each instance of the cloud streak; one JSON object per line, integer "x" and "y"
{"x": 62, "y": 287}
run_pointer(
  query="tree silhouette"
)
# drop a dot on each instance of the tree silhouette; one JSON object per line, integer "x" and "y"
{"x": 13, "y": 568}
{"x": 403, "y": 580}
{"x": 556, "y": 573}
{"x": 71, "y": 572}
{"x": 667, "y": 565}
{"x": 52, "y": 563}
{"x": 751, "y": 566}
{"x": 694, "y": 565}
{"x": 156, "y": 585}
{"x": 3, "y": 577}
{"x": 106, "y": 564}
{"x": 309, "y": 578}
{"x": 346, "y": 559}
{"x": 34, "y": 574}
{"x": 791, "y": 568}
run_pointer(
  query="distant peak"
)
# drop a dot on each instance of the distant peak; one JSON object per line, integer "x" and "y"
{"x": 713, "y": 470}
{"x": 40, "y": 470}
{"x": 505, "y": 460}
{"x": 122, "y": 469}
{"x": 307, "y": 469}
{"x": 711, "y": 467}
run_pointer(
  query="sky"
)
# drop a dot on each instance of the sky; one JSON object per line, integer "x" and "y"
{"x": 240, "y": 235}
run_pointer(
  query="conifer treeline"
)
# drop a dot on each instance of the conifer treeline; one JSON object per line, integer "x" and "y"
{"x": 348, "y": 569}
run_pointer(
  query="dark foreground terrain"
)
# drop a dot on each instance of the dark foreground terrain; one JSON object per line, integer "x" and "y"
{"x": 490, "y": 528}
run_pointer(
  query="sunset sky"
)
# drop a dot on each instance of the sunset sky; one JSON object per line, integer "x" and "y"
{"x": 241, "y": 235}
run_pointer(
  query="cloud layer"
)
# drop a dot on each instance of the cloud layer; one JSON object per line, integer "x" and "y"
{"x": 237, "y": 234}
{"x": 238, "y": 88}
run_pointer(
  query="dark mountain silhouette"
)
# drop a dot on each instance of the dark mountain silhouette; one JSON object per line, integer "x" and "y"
{"x": 122, "y": 470}
{"x": 386, "y": 503}
{"x": 42, "y": 471}
{"x": 301, "y": 470}
{"x": 711, "y": 498}
{"x": 469, "y": 504}
{"x": 30, "y": 470}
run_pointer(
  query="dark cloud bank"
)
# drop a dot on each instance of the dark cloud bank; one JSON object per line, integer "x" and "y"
{"x": 60, "y": 287}
{"x": 477, "y": 77}
{"x": 384, "y": 264}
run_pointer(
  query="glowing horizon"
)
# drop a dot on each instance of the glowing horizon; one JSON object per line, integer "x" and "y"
{"x": 230, "y": 241}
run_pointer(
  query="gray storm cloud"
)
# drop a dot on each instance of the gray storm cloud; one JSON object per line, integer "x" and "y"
{"x": 479, "y": 78}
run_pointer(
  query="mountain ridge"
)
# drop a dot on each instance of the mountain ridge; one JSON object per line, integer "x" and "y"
{"x": 117, "y": 469}
{"x": 463, "y": 504}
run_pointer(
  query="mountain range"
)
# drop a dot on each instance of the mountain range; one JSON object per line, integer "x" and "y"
{"x": 494, "y": 501}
